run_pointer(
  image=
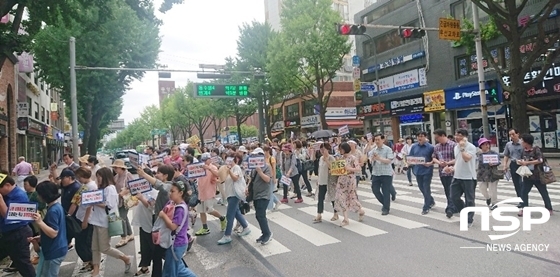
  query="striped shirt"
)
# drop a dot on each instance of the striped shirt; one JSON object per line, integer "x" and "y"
{"x": 444, "y": 153}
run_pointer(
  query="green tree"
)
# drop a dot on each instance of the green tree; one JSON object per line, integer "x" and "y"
{"x": 200, "y": 110}
{"x": 110, "y": 35}
{"x": 253, "y": 51}
{"x": 247, "y": 131}
{"x": 309, "y": 48}
{"x": 505, "y": 14}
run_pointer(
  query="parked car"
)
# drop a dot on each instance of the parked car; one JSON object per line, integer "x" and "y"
{"x": 123, "y": 155}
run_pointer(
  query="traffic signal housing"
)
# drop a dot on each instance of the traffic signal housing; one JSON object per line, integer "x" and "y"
{"x": 350, "y": 29}
{"x": 412, "y": 32}
{"x": 492, "y": 86}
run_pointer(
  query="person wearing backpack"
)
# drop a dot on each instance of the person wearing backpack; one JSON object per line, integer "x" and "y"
{"x": 175, "y": 218}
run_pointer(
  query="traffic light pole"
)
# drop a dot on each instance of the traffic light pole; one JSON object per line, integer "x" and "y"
{"x": 480, "y": 65}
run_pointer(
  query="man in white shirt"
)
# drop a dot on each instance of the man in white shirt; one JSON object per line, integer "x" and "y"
{"x": 464, "y": 173}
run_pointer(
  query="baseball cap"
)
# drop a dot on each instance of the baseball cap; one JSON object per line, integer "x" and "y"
{"x": 205, "y": 157}
{"x": 67, "y": 173}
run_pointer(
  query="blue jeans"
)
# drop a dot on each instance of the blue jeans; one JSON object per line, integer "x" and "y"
{"x": 273, "y": 198}
{"x": 260, "y": 214}
{"x": 424, "y": 184}
{"x": 232, "y": 212}
{"x": 51, "y": 267}
{"x": 381, "y": 187}
{"x": 176, "y": 268}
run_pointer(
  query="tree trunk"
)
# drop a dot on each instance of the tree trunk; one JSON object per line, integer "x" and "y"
{"x": 92, "y": 143}
{"x": 518, "y": 106}
{"x": 238, "y": 125}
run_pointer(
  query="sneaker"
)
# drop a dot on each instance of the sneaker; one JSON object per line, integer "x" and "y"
{"x": 384, "y": 212}
{"x": 449, "y": 214}
{"x": 223, "y": 224}
{"x": 425, "y": 212}
{"x": 127, "y": 266}
{"x": 488, "y": 201}
{"x": 284, "y": 200}
{"x": 202, "y": 232}
{"x": 259, "y": 240}
{"x": 266, "y": 240}
{"x": 493, "y": 207}
{"x": 224, "y": 240}
{"x": 245, "y": 232}
{"x": 299, "y": 200}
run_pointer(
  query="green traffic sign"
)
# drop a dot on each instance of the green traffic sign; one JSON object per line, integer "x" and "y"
{"x": 219, "y": 90}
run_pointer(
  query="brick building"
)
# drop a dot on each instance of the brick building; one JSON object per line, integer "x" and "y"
{"x": 8, "y": 114}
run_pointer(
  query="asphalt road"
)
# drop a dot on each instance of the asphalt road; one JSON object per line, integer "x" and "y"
{"x": 405, "y": 243}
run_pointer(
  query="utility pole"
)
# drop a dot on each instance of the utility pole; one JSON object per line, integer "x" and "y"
{"x": 481, "y": 81}
{"x": 74, "y": 100}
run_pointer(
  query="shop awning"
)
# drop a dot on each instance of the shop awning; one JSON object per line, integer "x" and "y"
{"x": 340, "y": 123}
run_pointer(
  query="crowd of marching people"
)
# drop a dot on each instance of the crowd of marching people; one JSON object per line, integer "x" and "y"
{"x": 166, "y": 213}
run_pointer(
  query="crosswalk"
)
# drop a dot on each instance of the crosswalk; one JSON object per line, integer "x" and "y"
{"x": 294, "y": 222}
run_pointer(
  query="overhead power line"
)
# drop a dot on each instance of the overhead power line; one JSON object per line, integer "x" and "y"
{"x": 80, "y": 67}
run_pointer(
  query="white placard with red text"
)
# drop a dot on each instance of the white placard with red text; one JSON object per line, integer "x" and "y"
{"x": 196, "y": 170}
{"x": 343, "y": 130}
{"x": 21, "y": 211}
{"x": 139, "y": 186}
{"x": 490, "y": 158}
{"x": 286, "y": 180}
{"x": 415, "y": 160}
{"x": 254, "y": 162}
{"x": 93, "y": 197}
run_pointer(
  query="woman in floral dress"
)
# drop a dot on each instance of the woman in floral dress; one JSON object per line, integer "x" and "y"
{"x": 346, "y": 196}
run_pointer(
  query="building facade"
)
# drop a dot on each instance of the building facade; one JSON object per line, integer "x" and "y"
{"x": 8, "y": 90}
{"x": 40, "y": 119}
{"x": 300, "y": 115}
{"x": 425, "y": 84}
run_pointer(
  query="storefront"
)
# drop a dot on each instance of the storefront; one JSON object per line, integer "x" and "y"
{"x": 543, "y": 109}
{"x": 35, "y": 137}
{"x": 463, "y": 103}
{"x": 377, "y": 117}
{"x": 434, "y": 104}
{"x": 344, "y": 116}
{"x": 310, "y": 124}
{"x": 409, "y": 115}
{"x": 292, "y": 126}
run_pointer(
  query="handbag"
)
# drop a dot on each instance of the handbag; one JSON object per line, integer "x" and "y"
{"x": 115, "y": 223}
{"x": 546, "y": 174}
{"x": 497, "y": 174}
{"x": 72, "y": 226}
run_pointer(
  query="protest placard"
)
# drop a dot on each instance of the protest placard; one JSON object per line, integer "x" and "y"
{"x": 196, "y": 170}
{"x": 21, "y": 211}
{"x": 343, "y": 130}
{"x": 143, "y": 159}
{"x": 92, "y": 197}
{"x": 317, "y": 146}
{"x": 134, "y": 158}
{"x": 338, "y": 168}
{"x": 286, "y": 180}
{"x": 255, "y": 162}
{"x": 245, "y": 166}
{"x": 490, "y": 158}
{"x": 139, "y": 186}
{"x": 369, "y": 136}
{"x": 415, "y": 160}
{"x": 215, "y": 160}
{"x": 155, "y": 162}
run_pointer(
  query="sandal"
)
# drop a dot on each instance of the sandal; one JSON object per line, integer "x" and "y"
{"x": 344, "y": 223}
{"x": 317, "y": 219}
{"x": 335, "y": 217}
{"x": 361, "y": 216}
{"x": 121, "y": 243}
{"x": 142, "y": 271}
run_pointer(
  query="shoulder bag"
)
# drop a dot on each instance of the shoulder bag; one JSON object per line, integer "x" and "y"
{"x": 546, "y": 174}
{"x": 115, "y": 223}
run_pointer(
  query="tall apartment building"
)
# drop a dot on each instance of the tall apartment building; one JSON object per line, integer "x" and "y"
{"x": 346, "y": 8}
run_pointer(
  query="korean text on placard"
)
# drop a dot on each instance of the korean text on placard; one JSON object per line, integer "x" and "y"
{"x": 255, "y": 162}
{"x": 21, "y": 211}
{"x": 490, "y": 158}
{"x": 92, "y": 197}
{"x": 196, "y": 170}
{"x": 139, "y": 186}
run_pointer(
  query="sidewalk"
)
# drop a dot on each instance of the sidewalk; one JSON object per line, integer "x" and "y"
{"x": 44, "y": 173}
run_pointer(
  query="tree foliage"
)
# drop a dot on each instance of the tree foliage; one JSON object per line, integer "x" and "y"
{"x": 505, "y": 14}
{"x": 309, "y": 50}
{"x": 109, "y": 35}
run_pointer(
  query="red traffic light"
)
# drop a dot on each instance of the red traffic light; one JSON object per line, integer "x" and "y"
{"x": 350, "y": 29}
{"x": 406, "y": 33}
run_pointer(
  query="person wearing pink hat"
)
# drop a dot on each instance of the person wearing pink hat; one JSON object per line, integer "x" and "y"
{"x": 484, "y": 176}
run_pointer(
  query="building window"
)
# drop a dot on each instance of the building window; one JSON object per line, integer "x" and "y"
{"x": 387, "y": 41}
{"x": 36, "y": 110}
{"x": 29, "y": 109}
{"x": 309, "y": 107}
{"x": 42, "y": 114}
{"x": 385, "y": 9}
{"x": 467, "y": 65}
{"x": 463, "y": 9}
{"x": 277, "y": 115}
{"x": 292, "y": 111}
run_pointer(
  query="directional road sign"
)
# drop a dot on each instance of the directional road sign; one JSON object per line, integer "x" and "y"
{"x": 367, "y": 86}
{"x": 356, "y": 60}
